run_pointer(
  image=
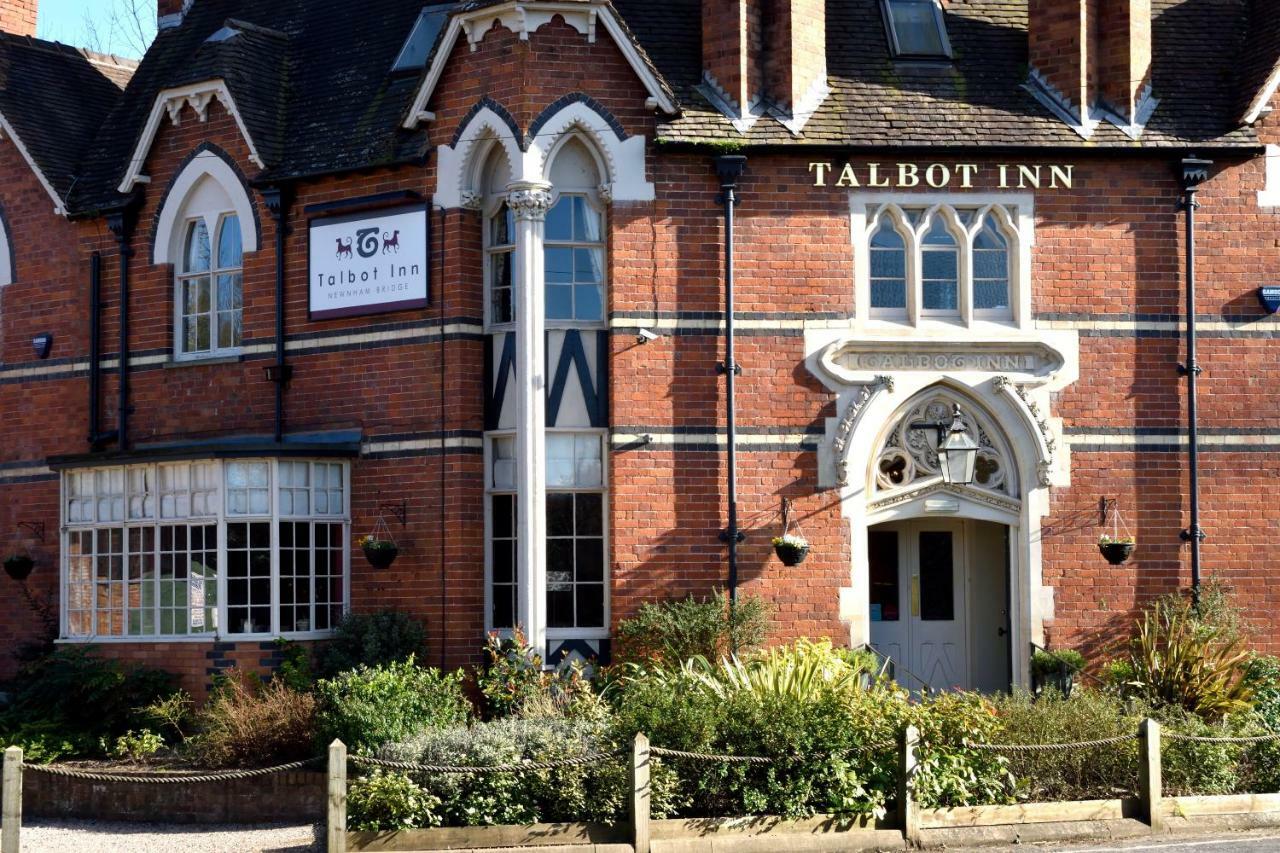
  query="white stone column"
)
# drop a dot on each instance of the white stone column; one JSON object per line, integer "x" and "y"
{"x": 529, "y": 201}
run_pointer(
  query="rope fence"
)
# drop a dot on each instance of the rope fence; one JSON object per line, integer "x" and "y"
{"x": 1052, "y": 747}
{"x": 460, "y": 769}
{"x": 153, "y": 778}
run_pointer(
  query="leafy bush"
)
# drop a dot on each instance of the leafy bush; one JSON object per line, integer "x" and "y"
{"x": 1051, "y": 663}
{"x": 371, "y": 706}
{"x": 135, "y": 746}
{"x": 514, "y": 683}
{"x": 371, "y": 640}
{"x": 951, "y": 773}
{"x": 1178, "y": 659}
{"x": 173, "y": 712}
{"x": 590, "y": 792}
{"x": 250, "y": 723}
{"x": 69, "y": 702}
{"x": 675, "y": 631}
{"x": 386, "y": 801}
{"x": 1097, "y": 773}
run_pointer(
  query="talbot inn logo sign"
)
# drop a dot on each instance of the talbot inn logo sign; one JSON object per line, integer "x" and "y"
{"x": 938, "y": 176}
{"x": 368, "y": 263}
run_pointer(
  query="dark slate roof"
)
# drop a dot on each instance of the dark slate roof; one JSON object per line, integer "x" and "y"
{"x": 976, "y": 100}
{"x": 311, "y": 79}
{"x": 1261, "y": 57}
{"x": 56, "y": 97}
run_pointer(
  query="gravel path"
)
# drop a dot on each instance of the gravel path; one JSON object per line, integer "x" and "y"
{"x": 73, "y": 836}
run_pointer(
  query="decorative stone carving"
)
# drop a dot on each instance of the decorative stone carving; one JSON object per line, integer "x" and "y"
{"x": 529, "y": 201}
{"x": 979, "y": 495}
{"x": 909, "y": 456}
{"x": 471, "y": 200}
{"x": 844, "y": 430}
{"x": 856, "y": 360}
{"x": 1019, "y": 393}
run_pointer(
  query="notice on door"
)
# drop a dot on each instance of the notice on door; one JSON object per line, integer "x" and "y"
{"x": 369, "y": 263}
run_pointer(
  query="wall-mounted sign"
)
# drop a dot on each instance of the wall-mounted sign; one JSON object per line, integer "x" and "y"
{"x": 937, "y": 176}
{"x": 369, "y": 263}
{"x": 1270, "y": 298}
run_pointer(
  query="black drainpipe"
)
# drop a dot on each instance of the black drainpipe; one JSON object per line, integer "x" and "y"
{"x": 729, "y": 168}
{"x": 121, "y": 225}
{"x": 1193, "y": 172}
{"x": 96, "y": 436}
{"x": 280, "y": 372}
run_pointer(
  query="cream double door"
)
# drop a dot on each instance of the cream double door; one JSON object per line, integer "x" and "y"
{"x": 919, "y": 615}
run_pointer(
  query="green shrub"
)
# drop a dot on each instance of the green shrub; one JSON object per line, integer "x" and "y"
{"x": 69, "y": 702}
{"x": 371, "y": 640}
{"x": 295, "y": 669}
{"x": 1262, "y": 676}
{"x": 1051, "y": 663}
{"x": 590, "y": 792}
{"x": 251, "y": 723}
{"x": 513, "y": 682}
{"x": 387, "y": 801}
{"x": 371, "y": 706}
{"x": 1177, "y": 659}
{"x": 173, "y": 713}
{"x": 672, "y": 632}
{"x": 135, "y": 746}
{"x": 951, "y": 773}
{"x": 1085, "y": 774}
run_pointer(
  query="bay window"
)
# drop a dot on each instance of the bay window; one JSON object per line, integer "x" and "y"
{"x": 205, "y": 549}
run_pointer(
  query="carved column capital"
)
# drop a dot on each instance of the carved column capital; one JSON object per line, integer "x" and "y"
{"x": 529, "y": 200}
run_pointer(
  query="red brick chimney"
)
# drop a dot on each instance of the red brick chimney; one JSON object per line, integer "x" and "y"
{"x": 18, "y": 17}
{"x": 795, "y": 60}
{"x": 1092, "y": 54}
{"x": 169, "y": 13}
{"x": 765, "y": 56}
{"x": 731, "y": 52}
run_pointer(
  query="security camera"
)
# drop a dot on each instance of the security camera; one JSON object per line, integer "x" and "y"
{"x": 644, "y": 336}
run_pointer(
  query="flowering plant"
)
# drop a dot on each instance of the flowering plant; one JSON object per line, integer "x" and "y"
{"x": 373, "y": 542}
{"x": 1104, "y": 539}
{"x": 791, "y": 540}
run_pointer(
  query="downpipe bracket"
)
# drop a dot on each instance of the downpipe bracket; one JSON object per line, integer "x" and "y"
{"x": 725, "y": 536}
{"x": 722, "y": 368}
{"x": 1196, "y": 533}
{"x": 1183, "y": 370}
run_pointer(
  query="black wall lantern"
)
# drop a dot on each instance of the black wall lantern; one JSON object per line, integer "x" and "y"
{"x": 42, "y": 344}
{"x": 957, "y": 451}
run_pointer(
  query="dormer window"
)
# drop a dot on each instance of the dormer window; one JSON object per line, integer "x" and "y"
{"x": 917, "y": 29}
{"x": 413, "y": 56}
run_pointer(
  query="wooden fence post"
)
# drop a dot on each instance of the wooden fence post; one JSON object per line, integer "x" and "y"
{"x": 11, "y": 794}
{"x": 1150, "y": 777}
{"x": 337, "y": 822}
{"x": 640, "y": 794}
{"x": 907, "y": 765}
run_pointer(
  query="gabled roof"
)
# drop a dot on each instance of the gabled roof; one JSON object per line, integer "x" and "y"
{"x": 311, "y": 82}
{"x": 53, "y": 99}
{"x": 977, "y": 100}
{"x": 1260, "y": 61}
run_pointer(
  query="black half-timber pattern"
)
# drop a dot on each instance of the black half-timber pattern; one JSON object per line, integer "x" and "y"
{"x": 495, "y": 382}
{"x": 573, "y": 355}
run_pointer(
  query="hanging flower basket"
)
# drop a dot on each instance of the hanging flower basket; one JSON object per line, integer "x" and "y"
{"x": 1117, "y": 551}
{"x": 18, "y": 566}
{"x": 380, "y": 553}
{"x": 791, "y": 549}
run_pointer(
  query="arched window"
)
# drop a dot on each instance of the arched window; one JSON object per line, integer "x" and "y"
{"x": 211, "y": 288}
{"x": 574, "y": 242}
{"x": 500, "y": 249}
{"x": 940, "y": 270}
{"x": 888, "y": 269}
{"x": 205, "y": 226}
{"x": 6, "y": 256}
{"x": 991, "y": 269}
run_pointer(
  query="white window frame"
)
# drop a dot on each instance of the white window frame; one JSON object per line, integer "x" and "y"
{"x": 513, "y": 251}
{"x": 221, "y": 517}
{"x": 6, "y": 253}
{"x": 213, "y": 222}
{"x": 602, "y": 246}
{"x": 1015, "y": 217}
{"x": 892, "y": 32}
{"x": 598, "y": 633}
{"x": 601, "y": 632}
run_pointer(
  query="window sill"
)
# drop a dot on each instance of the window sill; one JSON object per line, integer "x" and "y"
{"x": 202, "y": 361}
{"x": 204, "y": 638}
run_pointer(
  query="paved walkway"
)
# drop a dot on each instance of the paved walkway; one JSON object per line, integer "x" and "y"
{"x": 68, "y": 836}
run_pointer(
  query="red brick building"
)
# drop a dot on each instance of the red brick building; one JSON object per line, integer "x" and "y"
{"x": 456, "y": 274}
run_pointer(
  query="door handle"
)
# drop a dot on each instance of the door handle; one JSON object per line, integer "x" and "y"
{"x": 1000, "y": 632}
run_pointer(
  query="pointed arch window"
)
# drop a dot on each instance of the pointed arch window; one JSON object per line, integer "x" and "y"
{"x": 990, "y": 268}
{"x": 888, "y": 269}
{"x": 500, "y": 254}
{"x": 940, "y": 270}
{"x": 211, "y": 288}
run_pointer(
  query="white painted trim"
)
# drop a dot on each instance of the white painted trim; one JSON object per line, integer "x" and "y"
{"x": 522, "y": 17}
{"x": 1261, "y": 104}
{"x": 172, "y": 102}
{"x": 6, "y": 131}
{"x": 6, "y": 259}
{"x": 1269, "y": 195}
{"x": 174, "y": 215}
{"x": 460, "y": 168}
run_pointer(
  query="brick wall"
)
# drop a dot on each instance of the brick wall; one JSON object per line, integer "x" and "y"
{"x": 19, "y": 16}
{"x": 1108, "y": 249}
